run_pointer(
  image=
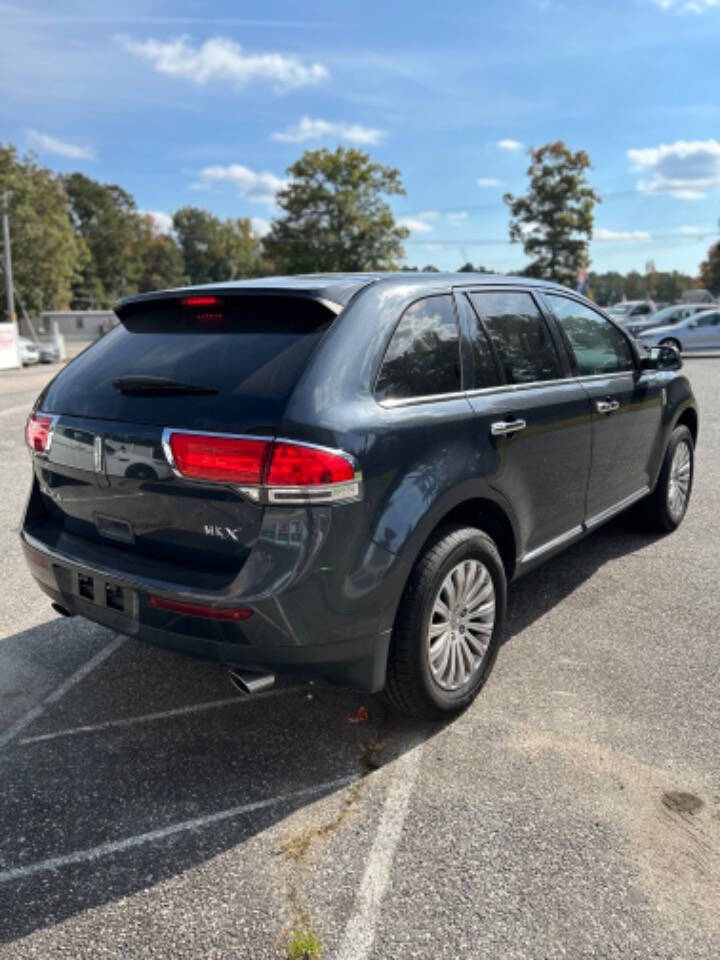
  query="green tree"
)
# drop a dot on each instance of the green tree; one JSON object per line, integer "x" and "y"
{"x": 105, "y": 217}
{"x": 554, "y": 220}
{"x": 469, "y": 268}
{"x": 710, "y": 270}
{"x": 334, "y": 216}
{"x": 214, "y": 250}
{"x": 44, "y": 250}
{"x": 162, "y": 260}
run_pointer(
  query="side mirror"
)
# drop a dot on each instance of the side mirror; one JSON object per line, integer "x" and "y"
{"x": 662, "y": 358}
{"x": 693, "y": 324}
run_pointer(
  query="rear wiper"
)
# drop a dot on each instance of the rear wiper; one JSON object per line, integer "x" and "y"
{"x": 145, "y": 384}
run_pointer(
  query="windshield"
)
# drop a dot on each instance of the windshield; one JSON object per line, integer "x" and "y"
{"x": 667, "y": 317}
{"x": 620, "y": 309}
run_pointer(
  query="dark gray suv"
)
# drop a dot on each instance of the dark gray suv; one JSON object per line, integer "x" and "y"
{"x": 336, "y": 476}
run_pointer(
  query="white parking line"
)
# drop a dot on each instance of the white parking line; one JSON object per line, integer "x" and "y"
{"x": 119, "y": 846}
{"x": 237, "y": 700}
{"x": 360, "y": 931}
{"x": 37, "y": 711}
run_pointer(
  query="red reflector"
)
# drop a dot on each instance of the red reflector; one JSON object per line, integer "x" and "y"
{"x": 224, "y": 459}
{"x": 200, "y": 609}
{"x": 201, "y": 301}
{"x": 293, "y": 465}
{"x": 38, "y": 432}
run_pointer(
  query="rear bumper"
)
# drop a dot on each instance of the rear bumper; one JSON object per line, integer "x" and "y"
{"x": 261, "y": 642}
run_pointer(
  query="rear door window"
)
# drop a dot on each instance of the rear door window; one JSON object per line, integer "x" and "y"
{"x": 521, "y": 337}
{"x": 248, "y": 352}
{"x": 598, "y": 346}
{"x": 423, "y": 358}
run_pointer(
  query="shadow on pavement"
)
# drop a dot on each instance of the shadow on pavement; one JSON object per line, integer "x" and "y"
{"x": 76, "y": 793}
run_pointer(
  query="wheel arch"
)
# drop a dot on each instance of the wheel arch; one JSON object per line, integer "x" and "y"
{"x": 689, "y": 418}
{"x": 474, "y": 511}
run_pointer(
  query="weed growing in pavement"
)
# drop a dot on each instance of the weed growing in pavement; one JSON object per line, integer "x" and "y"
{"x": 303, "y": 945}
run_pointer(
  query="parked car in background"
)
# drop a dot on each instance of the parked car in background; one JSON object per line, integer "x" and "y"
{"x": 337, "y": 476}
{"x": 667, "y": 317}
{"x": 29, "y": 351}
{"x": 700, "y": 331}
{"x": 632, "y": 310}
{"x": 49, "y": 353}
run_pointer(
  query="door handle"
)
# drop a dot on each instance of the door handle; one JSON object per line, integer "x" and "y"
{"x": 502, "y": 428}
{"x": 607, "y": 406}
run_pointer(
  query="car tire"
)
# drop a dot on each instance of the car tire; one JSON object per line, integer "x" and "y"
{"x": 671, "y": 342}
{"x": 664, "y": 509}
{"x": 464, "y": 563}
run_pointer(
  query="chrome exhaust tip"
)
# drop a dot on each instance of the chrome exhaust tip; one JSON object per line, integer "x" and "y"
{"x": 247, "y": 681}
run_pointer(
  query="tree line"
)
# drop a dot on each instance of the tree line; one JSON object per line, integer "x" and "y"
{"x": 80, "y": 243}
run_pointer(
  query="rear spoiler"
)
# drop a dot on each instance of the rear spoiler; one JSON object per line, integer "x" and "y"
{"x": 163, "y": 298}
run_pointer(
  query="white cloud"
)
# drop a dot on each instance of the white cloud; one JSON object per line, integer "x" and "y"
{"x": 260, "y": 226}
{"x": 415, "y": 224}
{"x": 488, "y": 182}
{"x": 688, "y": 169}
{"x": 697, "y": 7}
{"x": 457, "y": 216}
{"x": 256, "y": 187}
{"x": 220, "y": 58}
{"x": 309, "y": 129}
{"x": 510, "y": 145}
{"x": 48, "y": 144}
{"x": 163, "y": 221}
{"x": 621, "y": 236}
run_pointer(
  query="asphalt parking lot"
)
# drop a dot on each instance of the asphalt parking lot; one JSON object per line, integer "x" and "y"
{"x": 147, "y": 810}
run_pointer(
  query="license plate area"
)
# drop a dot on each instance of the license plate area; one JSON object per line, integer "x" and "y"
{"x": 105, "y": 593}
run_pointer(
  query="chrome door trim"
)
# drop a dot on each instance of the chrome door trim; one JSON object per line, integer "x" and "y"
{"x": 551, "y": 544}
{"x": 621, "y": 505}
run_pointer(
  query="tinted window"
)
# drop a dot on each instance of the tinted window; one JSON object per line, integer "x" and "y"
{"x": 250, "y": 350}
{"x": 423, "y": 357}
{"x": 599, "y": 347}
{"x": 484, "y": 367}
{"x": 519, "y": 334}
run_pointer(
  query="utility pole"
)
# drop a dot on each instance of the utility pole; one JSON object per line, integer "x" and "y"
{"x": 8, "y": 256}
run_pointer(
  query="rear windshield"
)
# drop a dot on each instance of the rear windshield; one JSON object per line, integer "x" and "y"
{"x": 248, "y": 353}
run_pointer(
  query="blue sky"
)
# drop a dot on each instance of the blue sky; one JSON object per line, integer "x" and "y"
{"x": 208, "y": 103}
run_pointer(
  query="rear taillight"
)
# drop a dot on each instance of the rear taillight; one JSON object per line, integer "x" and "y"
{"x": 268, "y": 471}
{"x": 220, "y": 459}
{"x": 294, "y": 465}
{"x": 39, "y": 431}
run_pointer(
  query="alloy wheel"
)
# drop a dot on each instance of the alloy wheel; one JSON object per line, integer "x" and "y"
{"x": 461, "y": 624}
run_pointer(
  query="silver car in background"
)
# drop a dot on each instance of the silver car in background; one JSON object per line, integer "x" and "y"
{"x": 664, "y": 318}
{"x": 698, "y": 332}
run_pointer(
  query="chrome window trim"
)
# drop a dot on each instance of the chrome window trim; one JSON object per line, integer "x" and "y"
{"x": 344, "y": 492}
{"x": 503, "y": 388}
{"x": 427, "y": 398}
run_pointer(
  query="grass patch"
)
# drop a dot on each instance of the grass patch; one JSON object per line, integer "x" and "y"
{"x": 303, "y": 945}
{"x": 298, "y": 845}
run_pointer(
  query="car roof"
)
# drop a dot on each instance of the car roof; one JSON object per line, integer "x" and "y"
{"x": 340, "y": 288}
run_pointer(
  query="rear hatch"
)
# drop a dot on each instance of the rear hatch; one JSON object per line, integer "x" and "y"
{"x": 221, "y": 364}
